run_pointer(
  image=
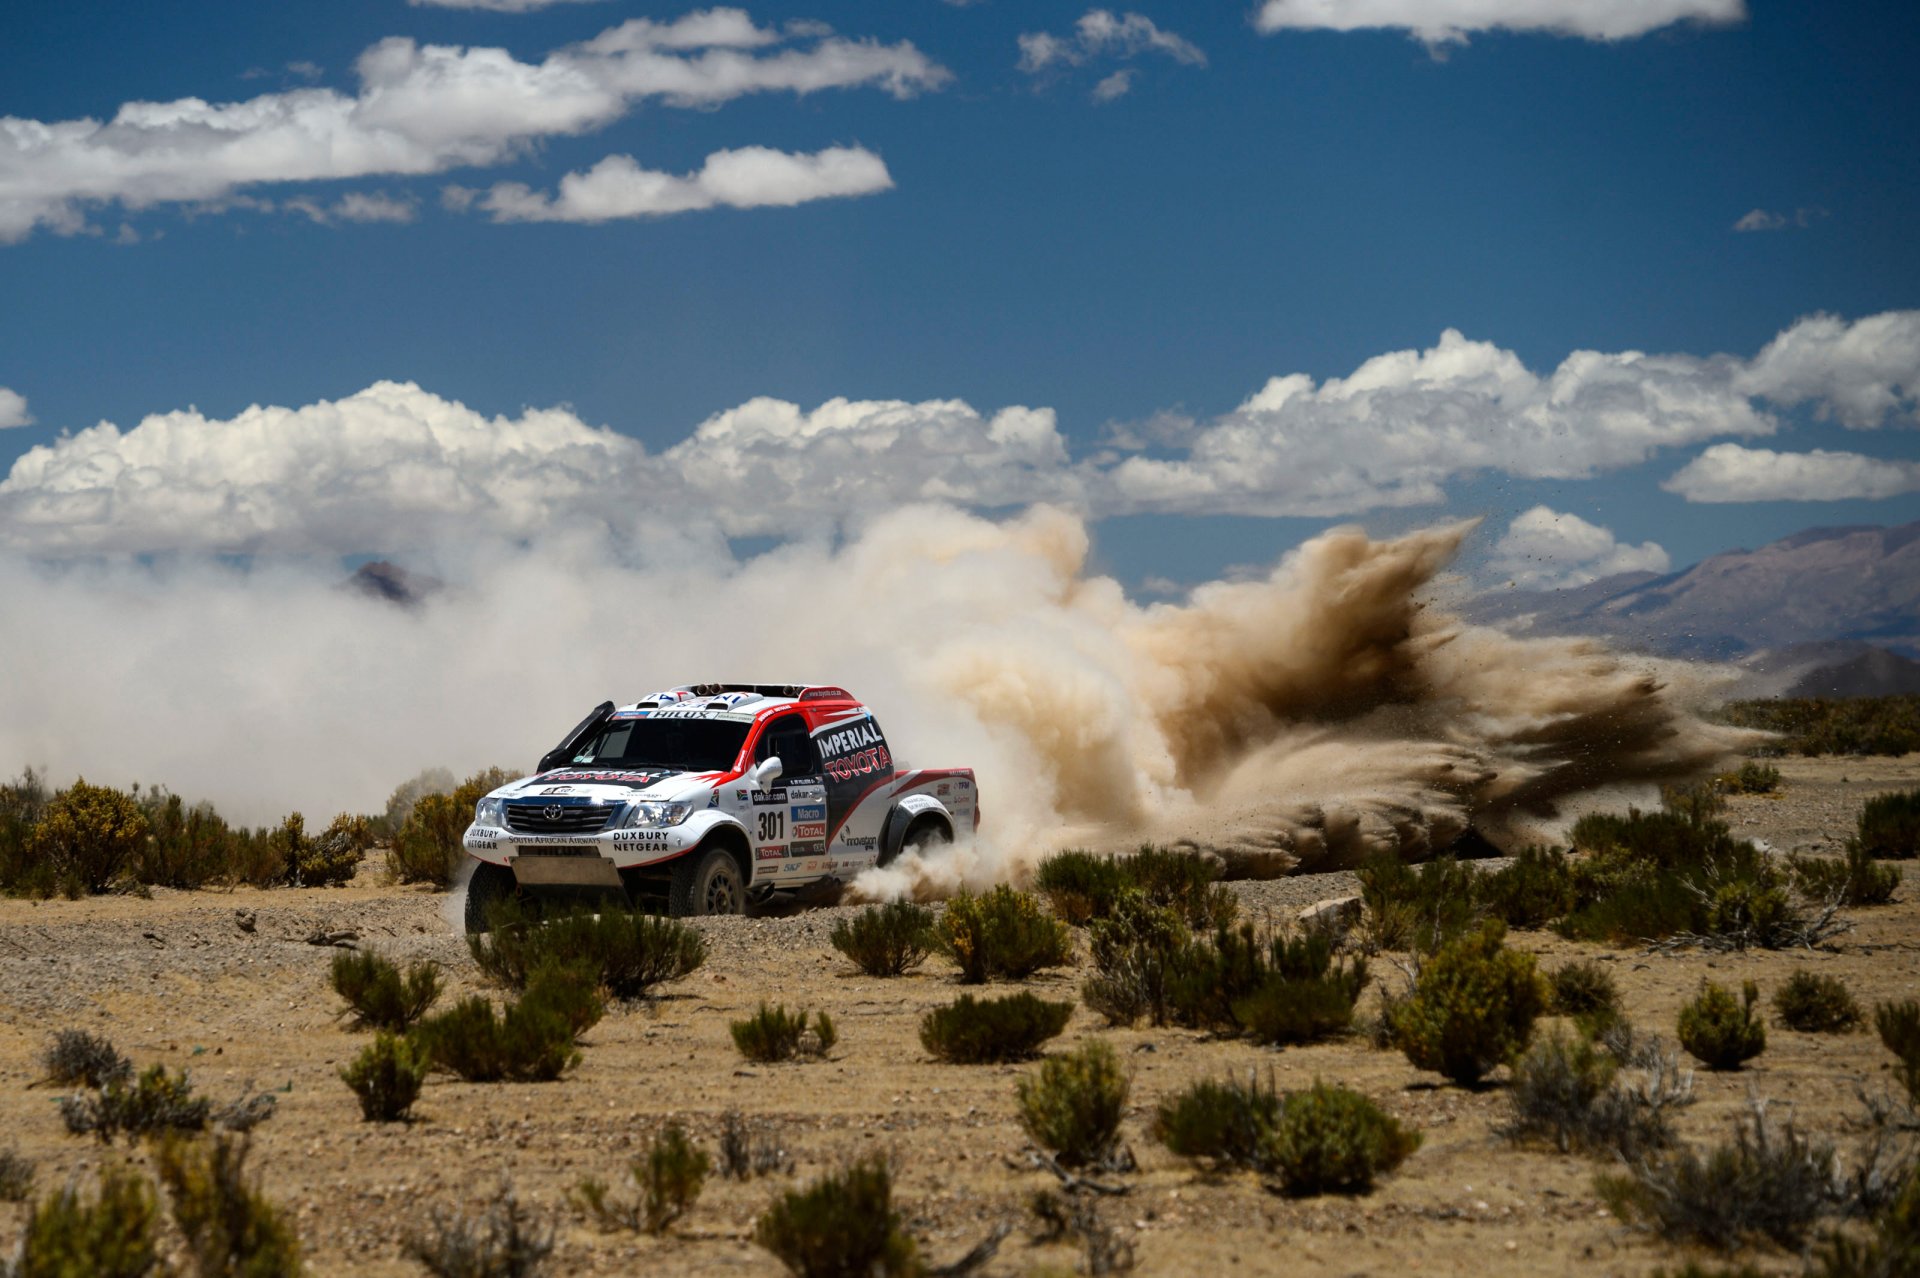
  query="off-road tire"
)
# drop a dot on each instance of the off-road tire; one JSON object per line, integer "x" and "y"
{"x": 490, "y": 883}
{"x": 925, "y": 834}
{"x": 706, "y": 880}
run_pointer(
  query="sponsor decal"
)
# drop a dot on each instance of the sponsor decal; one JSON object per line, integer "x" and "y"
{"x": 810, "y": 830}
{"x": 482, "y": 845}
{"x": 631, "y": 714}
{"x": 769, "y": 796}
{"x": 846, "y": 741}
{"x": 859, "y": 764}
{"x": 713, "y": 800}
{"x": 740, "y": 795}
{"x": 557, "y": 841}
{"x": 859, "y": 841}
{"x": 813, "y": 847}
{"x": 964, "y": 785}
{"x": 771, "y": 853}
{"x": 773, "y": 826}
{"x": 942, "y": 790}
{"x": 638, "y": 779}
{"x": 641, "y": 839}
{"x": 811, "y": 812}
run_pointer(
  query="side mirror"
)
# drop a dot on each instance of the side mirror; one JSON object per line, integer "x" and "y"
{"x": 766, "y": 772}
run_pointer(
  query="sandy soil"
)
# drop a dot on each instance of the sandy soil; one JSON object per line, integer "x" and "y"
{"x": 176, "y": 979}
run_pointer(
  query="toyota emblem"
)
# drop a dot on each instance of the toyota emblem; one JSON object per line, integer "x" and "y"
{"x": 552, "y": 812}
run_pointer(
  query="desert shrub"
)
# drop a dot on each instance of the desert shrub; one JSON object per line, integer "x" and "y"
{"x": 746, "y": 1151}
{"x": 1333, "y": 1141}
{"x": 1080, "y": 886}
{"x": 387, "y": 1076}
{"x": 1531, "y": 891}
{"x": 843, "y": 1223}
{"x": 246, "y": 1111}
{"x": 1770, "y": 1182}
{"x": 257, "y": 858}
{"x": 232, "y": 1230}
{"x": 1074, "y": 1104}
{"x": 1003, "y": 933}
{"x": 1889, "y": 828}
{"x": 156, "y": 1101}
{"x": 1135, "y": 951}
{"x": 16, "y": 1177}
{"x": 504, "y": 1240}
{"x": 334, "y": 854}
{"x": 1086, "y": 886}
{"x": 1899, "y": 1028}
{"x": 1586, "y": 992}
{"x": 774, "y": 1034}
{"x": 629, "y": 952}
{"x": 22, "y": 802}
{"x": 1472, "y": 1008}
{"x": 1227, "y": 1124}
{"x": 1839, "y": 725}
{"x": 669, "y": 1179}
{"x": 377, "y": 995}
{"x": 87, "y": 835}
{"x": 75, "y": 1056}
{"x": 115, "y": 1234}
{"x": 1853, "y": 879}
{"x": 569, "y": 992}
{"x": 1817, "y": 1005}
{"x": 289, "y": 846}
{"x": 1075, "y": 1218}
{"x": 426, "y": 847}
{"x": 886, "y": 940}
{"x": 1752, "y": 777}
{"x": 401, "y": 802}
{"x": 977, "y": 1031}
{"x": 1569, "y": 1092}
{"x": 1891, "y": 1249}
{"x": 1720, "y": 1032}
{"x": 1415, "y": 907}
{"x": 1696, "y": 802}
{"x": 528, "y": 1042}
{"x": 1302, "y": 994}
{"x": 187, "y": 846}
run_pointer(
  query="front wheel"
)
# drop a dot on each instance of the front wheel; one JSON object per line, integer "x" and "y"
{"x": 706, "y": 882}
{"x": 489, "y": 885}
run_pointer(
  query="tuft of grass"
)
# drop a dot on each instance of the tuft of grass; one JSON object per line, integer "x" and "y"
{"x": 746, "y": 1151}
{"x": 231, "y": 1229}
{"x": 1472, "y": 1009}
{"x": 774, "y": 1034}
{"x": 1073, "y": 1106}
{"x": 504, "y": 1240}
{"x": 973, "y": 1031}
{"x": 1771, "y": 1183}
{"x": 1899, "y": 1028}
{"x": 154, "y": 1102}
{"x": 387, "y": 1076}
{"x": 1002, "y": 934}
{"x": 1227, "y": 1124}
{"x": 626, "y": 953}
{"x": 842, "y": 1224}
{"x": 114, "y": 1234}
{"x": 16, "y": 1177}
{"x": 1889, "y": 828}
{"x": 886, "y": 940}
{"x": 1817, "y": 1005}
{"x": 378, "y": 996}
{"x": 1720, "y": 1032}
{"x": 1854, "y": 879}
{"x": 1330, "y": 1140}
{"x": 669, "y": 1177}
{"x": 1585, "y": 992}
{"x": 77, "y": 1057}
{"x": 528, "y": 1042}
{"x": 1569, "y": 1093}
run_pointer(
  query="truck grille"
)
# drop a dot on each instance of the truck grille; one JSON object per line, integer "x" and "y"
{"x": 535, "y": 817}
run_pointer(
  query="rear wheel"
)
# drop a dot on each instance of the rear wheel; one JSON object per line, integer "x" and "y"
{"x": 490, "y": 884}
{"x": 706, "y": 881}
{"x": 924, "y": 836}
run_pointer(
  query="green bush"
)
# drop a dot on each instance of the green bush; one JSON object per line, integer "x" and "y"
{"x": 87, "y": 835}
{"x": 528, "y": 1042}
{"x": 1135, "y": 950}
{"x": 1770, "y": 1183}
{"x": 1081, "y": 886}
{"x": 1720, "y": 1032}
{"x": 232, "y": 1230}
{"x": 1584, "y": 991}
{"x": 569, "y": 992}
{"x": 22, "y": 803}
{"x": 1302, "y": 995}
{"x": 113, "y": 1235}
{"x": 1073, "y": 1106}
{"x": 157, "y": 1101}
{"x": 1817, "y": 1005}
{"x": 1567, "y": 1092}
{"x": 1227, "y": 1124}
{"x": 503, "y": 1241}
{"x": 1899, "y": 1028}
{"x": 1002, "y": 934}
{"x": 1086, "y": 886}
{"x": 842, "y": 1224}
{"x": 187, "y": 847}
{"x": 387, "y": 1076}
{"x": 775, "y": 1034}
{"x": 669, "y": 1178}
{"x": 16, "y": 1177}
{"x": 629, "y": 951}
{"x": 334, "y": 854}
{"x": 378, "y": 996}
{"x": 409, "y": 792}
{"x": 1472, "y": 1009}
{"x": 1333, "y": 1141}
{"x": 1844, "y": 725}
{"x": 1531, "y": 891}
{"x": 886, "y": 940}
{"x": 1854, "y": 879}
{"x": 75, "y": 1056}
{"x": 980, "y": 1031}
{"x": 1752, "y": 777}
{"x": 426, "y": 848}
{"x": 1889, "y": 827}
{"x": 1415, "y": 907}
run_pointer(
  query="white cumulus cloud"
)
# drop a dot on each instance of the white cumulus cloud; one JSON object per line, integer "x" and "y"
{"x": 1438, "y": 22}
{"x": 355, "y": 206}
{"x": 1546, "y": 549}
{"x": 1101, "y": 34}
{"x": 1730, "y": 473}
{"x": 751, "y": 177}
{"x": 1861, "y": 372}
{"x": 1767, "y": 220}
{"x": 422, "y": 109}
{"x": 13, "y": 409}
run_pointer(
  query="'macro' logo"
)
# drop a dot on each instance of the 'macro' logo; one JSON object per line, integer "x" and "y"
{"x": 861, "y": 735}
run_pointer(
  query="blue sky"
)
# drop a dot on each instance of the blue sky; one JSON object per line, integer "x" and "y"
{"x": 1245, "y": 205}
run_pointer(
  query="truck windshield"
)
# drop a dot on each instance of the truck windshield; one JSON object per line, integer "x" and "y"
{"x": 684, "y": 745}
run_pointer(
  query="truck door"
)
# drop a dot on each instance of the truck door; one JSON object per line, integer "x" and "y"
{"x": 853, "y": 760}
{"x": 791, "y": 817}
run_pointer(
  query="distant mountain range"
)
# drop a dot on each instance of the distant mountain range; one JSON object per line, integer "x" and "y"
{"x": 1825, "y": 612}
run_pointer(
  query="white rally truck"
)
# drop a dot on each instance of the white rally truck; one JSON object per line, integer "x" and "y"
{"x": 708, "y": 796}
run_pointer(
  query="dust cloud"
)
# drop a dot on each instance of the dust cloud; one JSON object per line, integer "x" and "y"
{"x": 1301, "y": 719}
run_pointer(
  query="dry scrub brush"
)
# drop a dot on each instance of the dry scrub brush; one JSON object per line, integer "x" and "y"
{"x": 886, "y": 940}
{"x": 1720, "y": 1032}
{"x": 377, "y": 995}
{"x": 1472, "y": 1007}
{"x": 973, "y": 1031}
{"x": 502, "y": 1240}
{"x": 774, "y": 1034}
{"x": 1326, "y": 1139}
{"x": 624, "y": 952}
{"x": 842, "y": 1224}
{"x": 1001, "y": 934}
{"x": 1074, "y": 1104}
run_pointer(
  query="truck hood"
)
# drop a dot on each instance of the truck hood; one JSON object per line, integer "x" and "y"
{"x": 659, "y": 784}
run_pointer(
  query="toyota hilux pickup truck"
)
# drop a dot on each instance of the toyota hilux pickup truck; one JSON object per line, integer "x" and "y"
{"x": 710, "y": 796}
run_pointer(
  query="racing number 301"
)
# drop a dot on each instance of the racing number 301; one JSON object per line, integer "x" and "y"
{"x": 772, "y": 826}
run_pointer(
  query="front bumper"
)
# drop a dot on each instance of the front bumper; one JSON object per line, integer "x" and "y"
{"x": 619, "y": 849}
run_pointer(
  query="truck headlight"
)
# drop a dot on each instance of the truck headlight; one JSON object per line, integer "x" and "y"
{"x": 653, "y": 815}
{"x": 491, "y": 812}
